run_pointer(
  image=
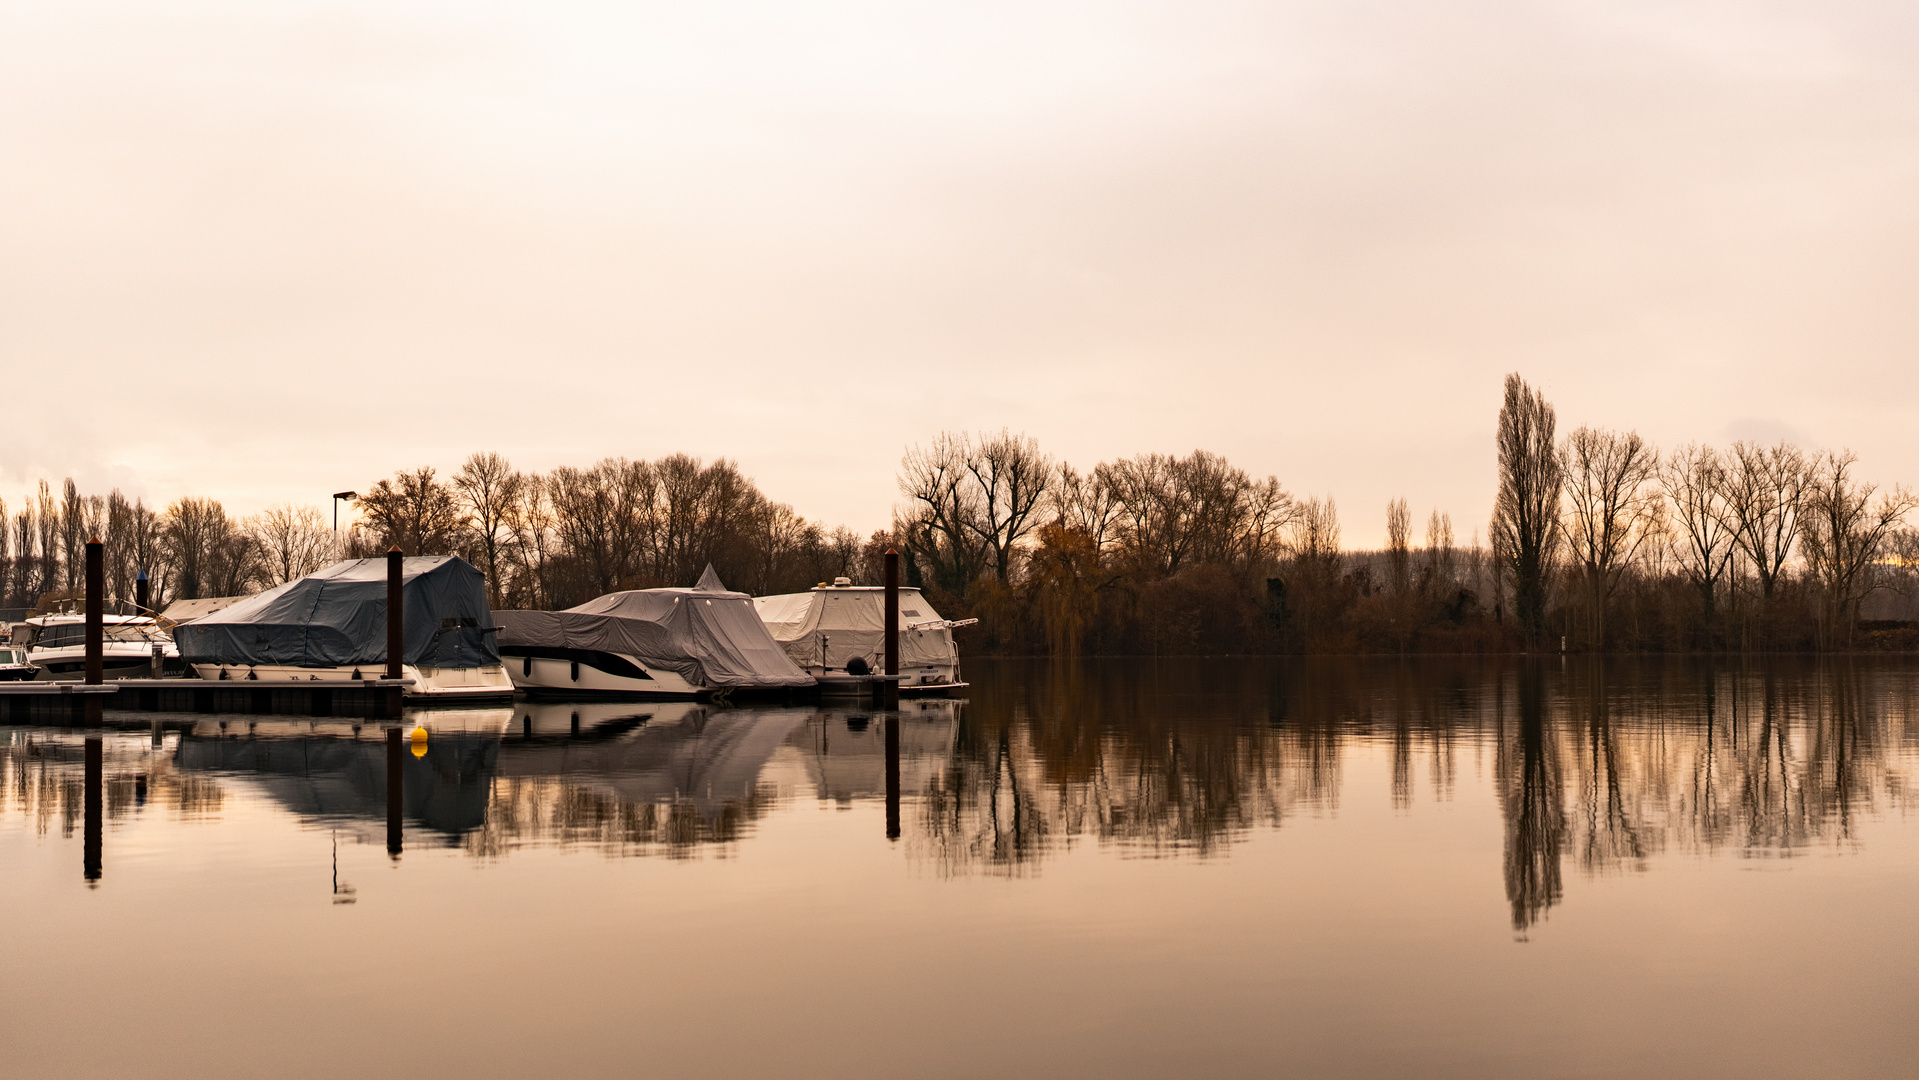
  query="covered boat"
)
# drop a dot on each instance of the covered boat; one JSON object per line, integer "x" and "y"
{"x": 331, "y": 627}
{"x": 657, "y": 643}
{"x": 828, "y": 628}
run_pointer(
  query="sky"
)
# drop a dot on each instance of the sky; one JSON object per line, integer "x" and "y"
{"x": 266, "y": 251}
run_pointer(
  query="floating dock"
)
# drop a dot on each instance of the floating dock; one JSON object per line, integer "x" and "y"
{"x": 55, "y": 701}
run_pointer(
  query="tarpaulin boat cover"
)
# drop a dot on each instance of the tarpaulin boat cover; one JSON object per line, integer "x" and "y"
{"x": 843, "y": 622}
{"x": 337, "y": 618}
{"x": 709, "y": 635}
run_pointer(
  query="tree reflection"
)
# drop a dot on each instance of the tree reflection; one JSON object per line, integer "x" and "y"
{"x": 1529, "y": 796}
{"x": 1610, "y": 763}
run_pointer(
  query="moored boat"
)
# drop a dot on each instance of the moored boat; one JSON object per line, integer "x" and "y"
{"x": 13, "y": 664}
{"x": 331, "y": 627}
{"x": 56, "y": 647}
{"x": 837, "y": 634}
{"x": 702, "y": 642}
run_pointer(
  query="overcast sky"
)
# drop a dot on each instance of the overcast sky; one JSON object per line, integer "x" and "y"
{"x": 265, "y": 251}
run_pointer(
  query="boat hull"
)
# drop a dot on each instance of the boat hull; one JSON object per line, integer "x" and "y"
{"x": 70, "y": 665}
{"x": 585, "y": 673}
{"x": 443, "y": 684}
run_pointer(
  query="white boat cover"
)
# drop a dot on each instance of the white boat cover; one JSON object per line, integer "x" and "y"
{"x": 181, "y": 612}
{"x": 853, "y": 622}
{"x": 337, "y": 618}
{"x": 708, "y": 634}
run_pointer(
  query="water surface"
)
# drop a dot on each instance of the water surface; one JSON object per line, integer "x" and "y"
{"x": 1123, "y": 868}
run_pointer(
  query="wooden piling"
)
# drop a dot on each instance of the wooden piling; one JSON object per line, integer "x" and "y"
{"x": 142, "y": 593}
{"x": 395, "y": 612}
{"x": 892, "y": 691}
{"x": 96, "y": 626}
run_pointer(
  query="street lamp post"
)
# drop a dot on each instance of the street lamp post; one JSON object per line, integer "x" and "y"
{"x": 337, "y": 496}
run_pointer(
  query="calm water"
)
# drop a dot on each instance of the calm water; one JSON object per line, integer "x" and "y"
{"x": 1172, "y": 868}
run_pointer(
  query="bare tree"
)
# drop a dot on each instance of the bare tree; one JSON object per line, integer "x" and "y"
{"x": 1014, "y": 479}
{"x": 1200, "y": 509}
{"x": 1694, "y": 479}
{"x": 489, "y": 489}
{"x": 73, "y": 533}
{"x": 941, "y": 502}
{"x": 532, "y": 530}
{"x": 118, "y": 554}
{"x": 47, "y": 529}
{"x": 1315, "y": 533}
{"x": 414, "y": 512}
{"x": 1441, "y": 572}
{"x": 603, "y": 517}
{"x": 1526, "y": 511}
{"x": 1399, "y": 558}
{"x": 212, "y": 554}
{"x": 1608, "y": 481}
{"x": 1764, "y": 489}
{"x": 841, "y": 554}
{"x": 292, "y": 542}
{"x": 1846, "y": 532}
{"x": 1085, "y": 505}
{"x": 25, "y": 586}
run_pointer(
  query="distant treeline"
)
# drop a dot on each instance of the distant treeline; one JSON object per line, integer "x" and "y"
{"x": 544, "y": 540}
{"x": 1597, "y": 542}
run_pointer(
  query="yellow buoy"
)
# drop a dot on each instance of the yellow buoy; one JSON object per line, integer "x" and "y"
{"x": 419, "y": 742}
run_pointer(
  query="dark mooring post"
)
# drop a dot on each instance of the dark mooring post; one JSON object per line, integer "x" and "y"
{"x": 90, "y": 856}
{"x": 395, "y": 791}
{"x": 395, "y": 625}
{"x": 395, "y": 612}
{"x": 892, "y": 727}
{"x": 96, "y": 626}
{"x": 892, "y": 699}
{"x": 142, "y": 593}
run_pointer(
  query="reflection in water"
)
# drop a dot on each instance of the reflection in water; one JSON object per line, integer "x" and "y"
{"x": 43, "y": 780}
{"x": 1605, "y": 765}
{"x": 1598, "y": 766}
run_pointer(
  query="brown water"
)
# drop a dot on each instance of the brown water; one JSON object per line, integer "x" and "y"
{"x": 1171, "y": 868}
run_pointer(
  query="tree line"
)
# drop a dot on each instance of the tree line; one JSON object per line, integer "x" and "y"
{"x": 543, "y": 540}
{"x": 1598, "y": 541}
{"x": 191, "y": 548}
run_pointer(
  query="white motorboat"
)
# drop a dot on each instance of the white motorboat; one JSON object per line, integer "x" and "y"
{"x": 837, "y": 634}
{"x": 14, "y": 666}
{"x": 56, "y": 646}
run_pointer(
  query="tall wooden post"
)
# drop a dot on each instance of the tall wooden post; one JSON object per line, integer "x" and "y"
{"x": 395, "y": 612}
{"x": 96, "y": 626}
{"x": 892, "y": 628}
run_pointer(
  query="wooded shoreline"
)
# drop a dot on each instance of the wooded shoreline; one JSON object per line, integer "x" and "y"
{"x": 1598, "y": 543}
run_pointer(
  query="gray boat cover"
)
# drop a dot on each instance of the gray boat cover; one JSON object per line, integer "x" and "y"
{"x": 709, "y": 635}
{"x": 337, "y": 618}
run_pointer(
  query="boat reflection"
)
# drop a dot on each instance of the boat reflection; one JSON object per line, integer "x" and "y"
{"x": 334, "y": 772}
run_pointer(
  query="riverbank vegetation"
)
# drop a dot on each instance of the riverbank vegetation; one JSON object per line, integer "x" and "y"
{"x": 1598, "y": 542}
